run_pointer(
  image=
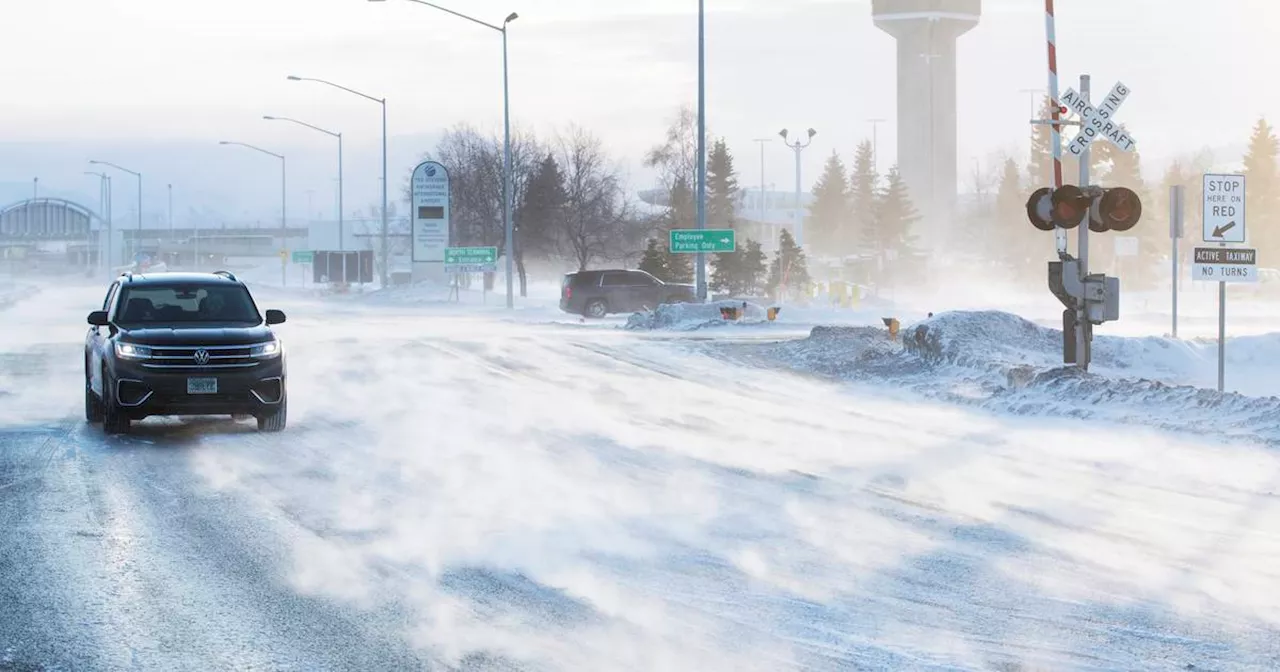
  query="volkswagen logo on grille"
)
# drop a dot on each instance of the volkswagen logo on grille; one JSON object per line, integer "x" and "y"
{"x": 202, "y": 357}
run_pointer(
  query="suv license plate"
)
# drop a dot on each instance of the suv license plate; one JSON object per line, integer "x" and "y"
{"x": 202, "y": 386}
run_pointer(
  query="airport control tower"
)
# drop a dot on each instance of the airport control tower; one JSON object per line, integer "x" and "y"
{"x": 926, "y": 31}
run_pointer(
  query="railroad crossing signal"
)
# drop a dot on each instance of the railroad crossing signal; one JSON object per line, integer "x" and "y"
{"x": 1108, "y": 209}
{"x": 1098, "y": 121}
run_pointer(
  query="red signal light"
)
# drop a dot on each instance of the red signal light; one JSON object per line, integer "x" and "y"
{"x": 1069, "y": 206}
{"x": 1040, "y": 209}
{"x": 1120, "y": 209}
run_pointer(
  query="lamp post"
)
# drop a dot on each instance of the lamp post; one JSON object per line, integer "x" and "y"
{"x": 383, "y": 102}
{"x": 170, "y": 212}
{"x": 339, "y": 137}
{"x": 139, "y": 176}
{"x": 875, "y": 144}
{"x": 798, "y": 146}
{"x": 762, "y": 142}
{"x": 506, "y": 141}
{"x": 701, "y": 275}
{"x": 104, "y": 211}
{"x": 284, "y": 231}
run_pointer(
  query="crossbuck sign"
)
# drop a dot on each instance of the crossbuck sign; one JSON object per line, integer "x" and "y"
{"x": 1098, "y": 121}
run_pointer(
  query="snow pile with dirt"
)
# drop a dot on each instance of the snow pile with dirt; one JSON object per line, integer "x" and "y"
{"x": 1004, "y": 363}
{"x": 691, "y": 316}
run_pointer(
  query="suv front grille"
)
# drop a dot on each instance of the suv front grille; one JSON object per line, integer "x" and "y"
{"x": 185, "y": 357}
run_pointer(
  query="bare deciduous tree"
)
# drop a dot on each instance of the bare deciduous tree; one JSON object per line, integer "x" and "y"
{"x": 596, "y": 214}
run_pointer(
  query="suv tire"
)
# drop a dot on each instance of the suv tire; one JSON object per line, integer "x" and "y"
{"x": 92, "y": 404}
{"x": 114, "y": 421}
{"x": 596, "y": 308}
{"x": 276, "y": 421}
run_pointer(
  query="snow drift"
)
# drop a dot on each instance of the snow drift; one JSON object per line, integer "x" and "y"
{"x": 1005, "y": 363}
{"x": 689, "y": 316}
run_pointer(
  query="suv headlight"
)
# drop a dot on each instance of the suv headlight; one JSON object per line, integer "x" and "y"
{"x": 131, "y": 351}
{"x": 267, "y": 350}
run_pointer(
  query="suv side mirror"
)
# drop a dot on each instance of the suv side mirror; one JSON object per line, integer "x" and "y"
{"x": 275, "y": 317}
{"x": 98, "y": 318}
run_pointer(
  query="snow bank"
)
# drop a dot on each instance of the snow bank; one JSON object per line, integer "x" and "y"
{"x": 690, "y": 316}
{"x": 1007, "y": 364}
{"x": 11, "y": 294}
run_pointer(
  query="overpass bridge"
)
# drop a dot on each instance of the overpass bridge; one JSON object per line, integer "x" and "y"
{"x": 54, "y": 228}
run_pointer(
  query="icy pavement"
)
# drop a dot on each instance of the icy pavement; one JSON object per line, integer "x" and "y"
{"x": 460, "y": 489}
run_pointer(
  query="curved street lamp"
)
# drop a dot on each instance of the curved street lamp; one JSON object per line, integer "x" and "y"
{"x": 284, "y": 232}
{"x": 383, "y": 102}
{"x": 339, "y": 137}
{"x": 137, "y": 175}
{"x": 506, "y": 141}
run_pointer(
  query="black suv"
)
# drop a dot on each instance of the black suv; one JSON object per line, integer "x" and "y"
{"x": 183, "y": 344}
{"x": 598, "y": 293}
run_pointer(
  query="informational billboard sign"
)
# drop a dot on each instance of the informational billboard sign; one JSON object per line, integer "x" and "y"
{"x": 430, "y": 216}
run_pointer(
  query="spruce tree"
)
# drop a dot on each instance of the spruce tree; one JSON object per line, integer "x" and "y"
{"x": 754, "y": 267}
{"x": 1262, "y": 195}
{"x": 654, "y": 260}
{"x": 726, "y": 272}
{"x": 722, "y": 188}
{"x": 895, "y": 215}
{"x": 789, "y": 270}
{"x": 539, "y": 213}
{"x": 862, "y": 201}
{"x": 829, "y": 211}
{"x": 683, "y": 216}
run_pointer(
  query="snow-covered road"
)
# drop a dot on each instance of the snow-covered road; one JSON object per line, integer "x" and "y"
{"x": 458, "y": 490}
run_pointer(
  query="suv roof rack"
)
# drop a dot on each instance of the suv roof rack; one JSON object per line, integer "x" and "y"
{"x": 127, "y": 274}
{"x": 226, "y": 274}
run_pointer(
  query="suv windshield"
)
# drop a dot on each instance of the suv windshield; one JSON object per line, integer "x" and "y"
{"x": 186, "y": 304}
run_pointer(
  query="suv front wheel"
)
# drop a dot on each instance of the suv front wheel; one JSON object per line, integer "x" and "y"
{"x": 92, "y": 405}
{"x": 114, "y": 421}
{"x": 276, "y": 420}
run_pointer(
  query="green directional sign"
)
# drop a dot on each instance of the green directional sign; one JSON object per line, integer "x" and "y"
{"x": 303, "y": 257}
{"x": 702, "y": 240}
{"x": 470, "y": 259}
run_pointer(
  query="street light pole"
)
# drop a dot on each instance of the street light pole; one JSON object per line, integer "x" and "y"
{"x": 701, "y": 278}
{"x": 103, "y": 181}
{"x": 383, "y": 102}
{"x": 284, "y": 230}
{"x": 333, "y": 134}
{"x": 507, "y": 191}
{"x": 139, "y": 176}
{"x": 875, "y": 144}
{"x": 762, "y": 142}
{"x": 798, "y": 146}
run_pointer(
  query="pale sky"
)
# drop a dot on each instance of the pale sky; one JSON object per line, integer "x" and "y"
{"x": 137, "y": 76}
